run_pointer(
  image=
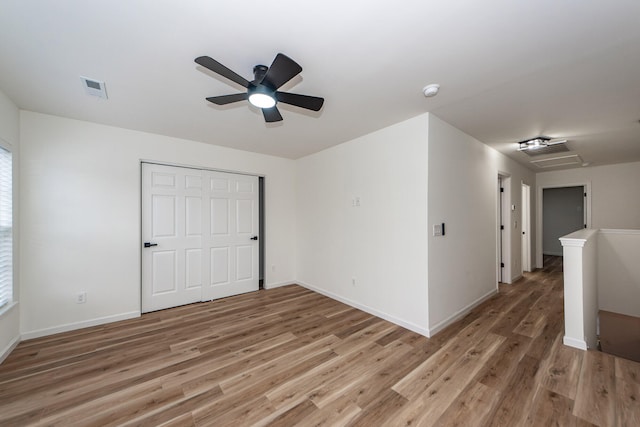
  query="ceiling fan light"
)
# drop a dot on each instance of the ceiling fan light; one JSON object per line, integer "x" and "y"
{"x": 262, "y": 100}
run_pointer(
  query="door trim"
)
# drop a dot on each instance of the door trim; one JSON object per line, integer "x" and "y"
{"x": 505, "y": 211}
{"x": 525, "y": 219}
{"x": 539, "y": 200}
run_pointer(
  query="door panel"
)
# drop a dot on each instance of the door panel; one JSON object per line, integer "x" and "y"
{"x": 244, "y": 262}
{"x": 193, "y": 216}
{"x": 203, "y": 223}
{"x": 219, "y": 217}
{"x": 244, "y": 209}
{"x": 194, "y": 268}
{"x": 233, "y": 202}
{"x": 164, "y": 272}
{"x": 164, "y": 216}
{"x": 219, "y": 266}
{"x": 172, "y": 220}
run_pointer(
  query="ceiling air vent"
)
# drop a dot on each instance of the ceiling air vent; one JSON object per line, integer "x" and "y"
{"x": 557, "y": 161}
{"x": 94, "y": 87}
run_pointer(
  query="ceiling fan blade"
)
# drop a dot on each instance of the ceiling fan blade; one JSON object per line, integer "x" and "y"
{"x": 271, "y": 115}
{"x": 281, "y": 71}
{"x": 218, "y": 68}
{"x": 227, "y": 99}
{"x": 305, "y": 101}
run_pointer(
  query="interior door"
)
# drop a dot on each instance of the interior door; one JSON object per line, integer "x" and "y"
{"x": 526, "y": 227}
{"x": 172, "y": 254}
{"x": 200, "y": 235}
{"x": 231, "y": 238}
{"x": 500, "y": 266}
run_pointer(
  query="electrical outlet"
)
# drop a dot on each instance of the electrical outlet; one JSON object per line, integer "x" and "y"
{"x": 437, "y": 229}
{"x": 81, "y": 297}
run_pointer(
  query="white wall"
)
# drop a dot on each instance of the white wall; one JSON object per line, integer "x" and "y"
{"x": 462, "y": 191}
{"x": 10, "y": 138}
{"x": 383, "y": 242}
{"x": 619, "y": 271}
{"x": 81, "y": 216}
{"x": 81, "y": 220}
{"x": 408, "y": 177}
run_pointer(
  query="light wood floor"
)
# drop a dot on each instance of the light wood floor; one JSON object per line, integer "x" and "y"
{"x": 289, "y": 356}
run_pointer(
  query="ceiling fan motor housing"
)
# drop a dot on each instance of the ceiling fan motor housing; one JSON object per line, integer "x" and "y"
{"x": 259, "y": 71}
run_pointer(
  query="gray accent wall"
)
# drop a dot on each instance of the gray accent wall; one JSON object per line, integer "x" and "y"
{"x": 562, "y": 213}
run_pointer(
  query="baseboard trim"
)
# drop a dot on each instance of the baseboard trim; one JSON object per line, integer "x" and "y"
{"x": 9, "y": 348}
{"x": 400, "y": 322}
{"x": 575, "y": 343}
{"x": 79, "y": 325}
{"x": 461, "y": 313}
{"x": 277, "y": 285}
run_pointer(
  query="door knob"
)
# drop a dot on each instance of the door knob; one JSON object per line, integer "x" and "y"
{"x": 149, "y": 244}
{"x": 254, "y": 238}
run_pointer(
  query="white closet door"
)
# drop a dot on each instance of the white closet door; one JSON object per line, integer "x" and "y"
{"x": 199, "y": 231}
{"x": 231, "y": 209}
{"x": 172, "y": 231}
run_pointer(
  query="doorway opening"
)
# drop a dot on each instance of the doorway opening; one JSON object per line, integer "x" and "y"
{"x": 561, "y": 209}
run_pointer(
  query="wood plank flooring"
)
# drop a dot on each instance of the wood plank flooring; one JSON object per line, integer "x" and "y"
{"x": 289, "y": 356}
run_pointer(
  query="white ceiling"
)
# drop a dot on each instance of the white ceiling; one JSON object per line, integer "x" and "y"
{"x": 508, "y": 70}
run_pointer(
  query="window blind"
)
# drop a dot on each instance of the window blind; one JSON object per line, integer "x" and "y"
{"x": 6, "y": 227}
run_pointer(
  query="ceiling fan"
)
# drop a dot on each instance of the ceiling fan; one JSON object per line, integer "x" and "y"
{"x": 263, "y": 90}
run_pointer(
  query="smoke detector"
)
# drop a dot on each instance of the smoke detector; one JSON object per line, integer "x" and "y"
{"x": 431, "y": 90}
{"x": 94, "y": 87}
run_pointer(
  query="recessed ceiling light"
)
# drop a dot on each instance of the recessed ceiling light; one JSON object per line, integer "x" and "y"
{"x": 431, "y": 90}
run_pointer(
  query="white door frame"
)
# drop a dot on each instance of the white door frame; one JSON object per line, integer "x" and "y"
{"x": 539, "y": 223}
{"x": 505, "y": 243}
{"x": 526, "y": 227}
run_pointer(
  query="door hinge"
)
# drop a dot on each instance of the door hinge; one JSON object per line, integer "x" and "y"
{"x": 501, "y": 189}
{"x": 502, "y": 264}
{"x": 502, "y": 227}
{"x": 585, "y": 194}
